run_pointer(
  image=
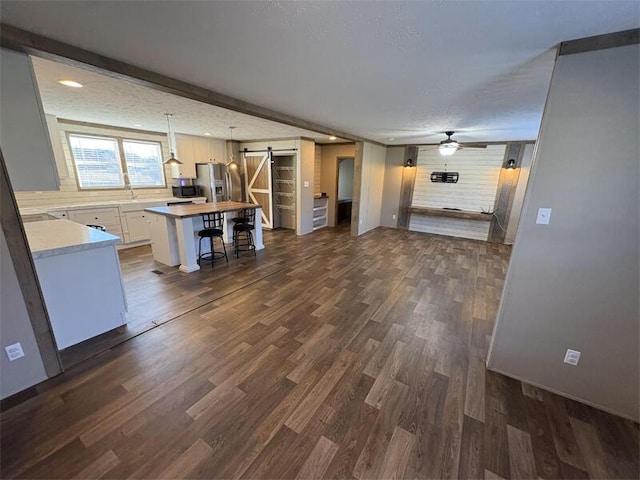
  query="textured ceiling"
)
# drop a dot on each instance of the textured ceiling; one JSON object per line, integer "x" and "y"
{"x": 380, "y": 70}
{"x": 109, "y": 101}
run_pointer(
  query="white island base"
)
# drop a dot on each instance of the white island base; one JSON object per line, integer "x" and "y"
{"x": 174, "y": 232}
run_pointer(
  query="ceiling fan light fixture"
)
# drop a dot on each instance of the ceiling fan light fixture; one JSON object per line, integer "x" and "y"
{"x": 448, "y": 147}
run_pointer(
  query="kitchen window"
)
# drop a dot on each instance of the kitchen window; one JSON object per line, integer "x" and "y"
{"x": 114, "y": 162}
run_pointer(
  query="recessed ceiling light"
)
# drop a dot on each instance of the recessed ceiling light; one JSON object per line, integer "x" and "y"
{"x": 391, "y": 139}
{"x": 332, "y": 137}
{"x": 137, "y": 125}
{"x": 70, "y": 83}
{"x": 207, "y": 134}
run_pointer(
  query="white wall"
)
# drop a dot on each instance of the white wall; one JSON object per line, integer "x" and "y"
{"x": 69, "y": 193}
{"x": 372, "y": 186}
{"x": 475, "y": 191}
{"x": 573, "y": 284}
{"x": 15, "y": 327}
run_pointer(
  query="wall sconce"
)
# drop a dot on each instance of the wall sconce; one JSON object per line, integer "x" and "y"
{"x": 511, "y": 164}
{"x": 408, "y": 163}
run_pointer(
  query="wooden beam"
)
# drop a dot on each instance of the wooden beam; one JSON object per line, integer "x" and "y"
{"x": 37, "y": 45}
{"x": 600, "y": 42}
{"x": 26, "y": 273}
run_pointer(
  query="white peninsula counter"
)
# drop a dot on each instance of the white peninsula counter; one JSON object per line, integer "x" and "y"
{"x": 79, "y": 273}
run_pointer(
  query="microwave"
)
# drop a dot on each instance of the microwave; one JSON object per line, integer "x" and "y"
{"x": 186, "y": 191}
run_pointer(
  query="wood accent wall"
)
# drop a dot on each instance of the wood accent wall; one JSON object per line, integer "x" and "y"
{"x": 505, "y": 194}
{"x": 26, "y": 272}
{"x": 406, "y": 189}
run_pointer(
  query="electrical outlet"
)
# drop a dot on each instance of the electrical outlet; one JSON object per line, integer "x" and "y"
{"x": 306, "y": 184}
{"x": 544, "y": 216}
{"x": 14, "y": 351}
{"x": 572, "y": 357}
{"x": 393, "y": 216}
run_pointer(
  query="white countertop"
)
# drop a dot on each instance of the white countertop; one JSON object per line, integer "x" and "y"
{"x": 57, "y": 237}
{"x": 108, "y": 203}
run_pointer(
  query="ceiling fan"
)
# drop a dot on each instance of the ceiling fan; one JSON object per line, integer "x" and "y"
{"x": 449, "y": 146}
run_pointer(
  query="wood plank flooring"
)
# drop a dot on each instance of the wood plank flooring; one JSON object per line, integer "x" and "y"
{"x": 325, "y": 356}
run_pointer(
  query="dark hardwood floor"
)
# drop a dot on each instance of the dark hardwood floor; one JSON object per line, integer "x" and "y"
{"x": 325, "y": 356}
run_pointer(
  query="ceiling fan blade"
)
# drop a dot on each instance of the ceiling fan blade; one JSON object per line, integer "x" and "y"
{"x": 473, "y": 145}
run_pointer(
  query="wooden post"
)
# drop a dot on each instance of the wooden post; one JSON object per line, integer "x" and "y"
{"x": 26, "y": 272}
{"x": 406, "y": 189}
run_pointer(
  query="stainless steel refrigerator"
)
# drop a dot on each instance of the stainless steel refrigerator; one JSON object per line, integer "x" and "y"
{"x": 220, "y": 182}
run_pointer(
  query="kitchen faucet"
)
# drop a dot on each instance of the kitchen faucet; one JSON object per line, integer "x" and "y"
{"x": 127, "y": 186}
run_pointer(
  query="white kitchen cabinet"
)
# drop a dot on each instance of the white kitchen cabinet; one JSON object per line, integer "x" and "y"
{"x": 191, "y": 149}
{"x": 24, "y": 134}
{"x": 109, "y": 217}
{"x": 137, "y": 227}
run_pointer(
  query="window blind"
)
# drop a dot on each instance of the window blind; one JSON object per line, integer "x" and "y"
{"x": 144, "y": 163}
{"x": 97, "y": 161}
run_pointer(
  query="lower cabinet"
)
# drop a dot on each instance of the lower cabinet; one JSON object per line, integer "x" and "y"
{"x": 108, "y": 217}
{"x": 137, "y": 227}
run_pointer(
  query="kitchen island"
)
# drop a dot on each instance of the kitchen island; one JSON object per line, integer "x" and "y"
{"x": 79, "y": 273}
{"x": 174, "y": 231}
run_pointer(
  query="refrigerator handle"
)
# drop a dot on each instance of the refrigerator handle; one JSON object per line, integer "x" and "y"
{"x": 229, "y": 185}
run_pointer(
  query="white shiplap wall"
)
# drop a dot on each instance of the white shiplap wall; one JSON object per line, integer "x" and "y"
{"x": 317, "y": 168}
{"x": 69, "y": 193}
{"x": 475, "y": 191}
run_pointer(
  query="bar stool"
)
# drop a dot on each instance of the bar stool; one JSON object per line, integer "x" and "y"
{"x": 242, "y": 232}
{"x": 212, "y": 229}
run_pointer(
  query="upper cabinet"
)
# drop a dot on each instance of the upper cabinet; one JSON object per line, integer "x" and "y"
{"x": 191, "y": 149}
{"x": 24, "y": 134}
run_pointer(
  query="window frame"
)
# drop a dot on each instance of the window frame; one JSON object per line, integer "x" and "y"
{"x": 123, "y": 162}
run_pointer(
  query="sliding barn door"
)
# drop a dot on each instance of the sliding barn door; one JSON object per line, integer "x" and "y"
{"x": 258, "y": 183}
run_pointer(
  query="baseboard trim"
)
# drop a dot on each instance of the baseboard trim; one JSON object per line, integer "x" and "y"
{"x": 566, "y": 395}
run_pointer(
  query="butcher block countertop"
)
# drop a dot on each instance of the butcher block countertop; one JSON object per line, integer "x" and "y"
{"x": 58, "y": 237}
{"x": 184, "y": 211}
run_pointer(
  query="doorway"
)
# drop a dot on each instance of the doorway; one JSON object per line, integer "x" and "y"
{"x": 344, "y": 190}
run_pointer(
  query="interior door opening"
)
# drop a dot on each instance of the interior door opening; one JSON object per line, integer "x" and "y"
{"x": 344, "y": 190}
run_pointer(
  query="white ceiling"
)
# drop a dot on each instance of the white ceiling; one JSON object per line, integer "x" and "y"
{"x": 380, "y": 70}
{"x": 110, "y": 101}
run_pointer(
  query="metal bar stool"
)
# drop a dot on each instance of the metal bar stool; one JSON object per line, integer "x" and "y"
{"x": 212, "y": 223}
{"x": 242, "y": 232}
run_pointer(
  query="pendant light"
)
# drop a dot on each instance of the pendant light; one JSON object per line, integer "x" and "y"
{"x": 231, "y": 157}
{"x": 172, "y": 160}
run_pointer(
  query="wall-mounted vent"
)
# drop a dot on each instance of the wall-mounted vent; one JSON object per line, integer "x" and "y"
{"x": 444, "y": 177}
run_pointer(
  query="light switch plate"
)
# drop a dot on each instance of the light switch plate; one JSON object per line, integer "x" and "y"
{"x": 14, "y": 351}
{"x": 572, "y": 357}
{"x": 306, "y": 184}
{"x": 544, "y": 216}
